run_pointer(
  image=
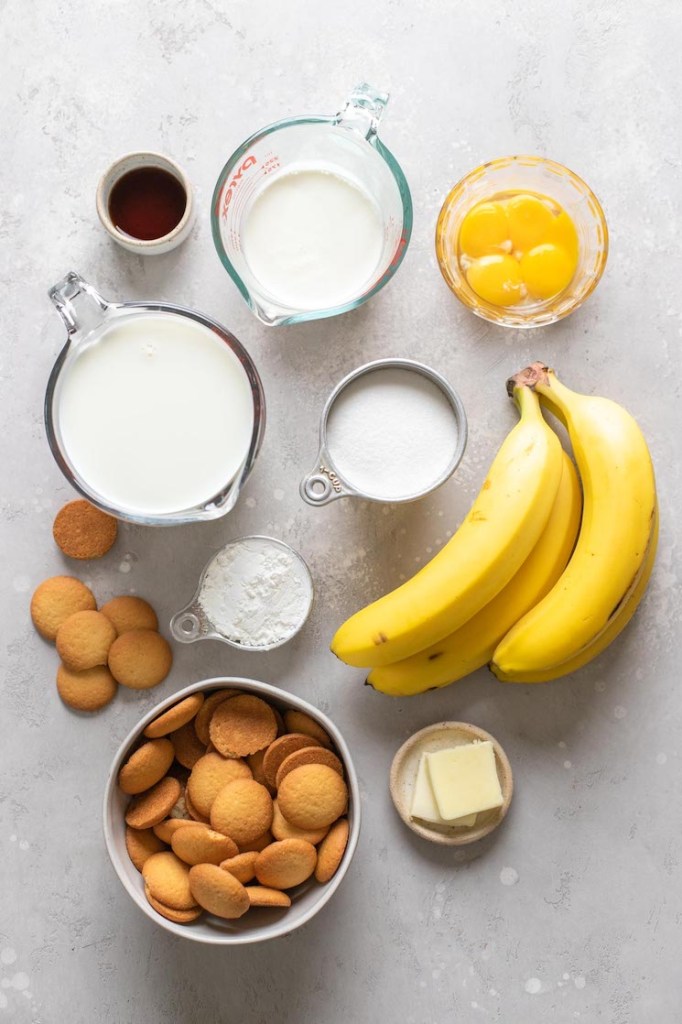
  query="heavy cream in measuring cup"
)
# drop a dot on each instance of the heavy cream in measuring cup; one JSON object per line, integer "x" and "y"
{"x": 313, "y": 239}
{"x": 156, "y": 415}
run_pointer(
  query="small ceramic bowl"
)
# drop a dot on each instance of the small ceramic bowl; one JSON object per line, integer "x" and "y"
{"x": 261, "y": 923}
{"x": 442, "y": 736}
{"x": 133, "y": 162}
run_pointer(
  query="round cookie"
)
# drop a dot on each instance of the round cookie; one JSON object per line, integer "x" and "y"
{"x": 192, "y": 811}
{"x": 188, "y": 746}
{"x": 308, "y": 755}
{"x": 150, "y": 808}
{"x": 312, "y": 796}
{"x": 84, "y": 639}
{"x": 255, "y": 763}
{"x": 141, "y": 844}
{"x": 167, "y": 878}
{"x": 299, "y": 721}
{"x": 201, "y": 722}
{"x": 209, "y": 775}
{"x": 146, "y": 766}
{"x": 242, "y": 810}
{"x": 140, "y": 659}
{"x": 283, "y": 829}
{"x": 177, "y": 716}
{"x": 285, "y": 864}
{"x": 177, "y": 916}
{"x": 331, "y": 851}
{"x": 166, "y": 829}
{"x": 128, "y": 612}
{"x": 257, "y": 844}
{"x": 242, "y": 725}
{"x": 89, "y": 690}
{"x": 242, "y": 866}
{"x": 82, "y": 531}
{"x": 260, "y": 896}
{"x": 57, "y": 599}
{"x": 218, "y": 891}
{"x": 197, "y": 844}
{"x": 280, "y": 749}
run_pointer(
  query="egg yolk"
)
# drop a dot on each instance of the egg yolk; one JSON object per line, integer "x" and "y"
{"x": 546, "y": 270}
{"x": 484, "y": 230}
{"x": 518, "y": 246}
{"x": 529, "y": 221}
{"x": 497, "y": 279}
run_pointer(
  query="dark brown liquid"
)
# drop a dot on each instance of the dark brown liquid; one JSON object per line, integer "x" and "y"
{"x": 147, "y": 203}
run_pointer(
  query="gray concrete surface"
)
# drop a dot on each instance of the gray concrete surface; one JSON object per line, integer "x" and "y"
{"x": 571, "y": 912}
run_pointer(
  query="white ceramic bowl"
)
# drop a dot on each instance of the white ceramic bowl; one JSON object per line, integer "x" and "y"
{"x": 258, "y": 924}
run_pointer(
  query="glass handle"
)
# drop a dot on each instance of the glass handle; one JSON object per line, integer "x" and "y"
{"x": 363, "y": 109}
{"x": 79, "y": 305}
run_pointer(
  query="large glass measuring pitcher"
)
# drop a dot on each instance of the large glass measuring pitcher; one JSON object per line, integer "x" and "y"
{"x": 346, "y": 145}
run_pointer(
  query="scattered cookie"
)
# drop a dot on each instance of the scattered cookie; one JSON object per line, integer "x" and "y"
{"x": 166, "y": 829}
{"x": 167, "y": 878}
{"x": 257, "y": 844}
{"x": 242, "y": 866}
{"x": 209, "y": 775}
{"x": 197, "y": 844}
{"x": 255, "y": 763}
{"x": 56, "y": 600}
{"x": 146, "y": 766}
{"x": 280, "y": 749}
{"x": 141, "y": 844}
{"x": 201, "y": 722}
{"x": 242, "y": 810}
{"x": 242, "y": 725}
{"x": 312, "y": 796}
{"x": 82, "y": 531}
{"x": 260, "y": 896}
{"x": 128, "y": 612}
{"x": 89, "y": 690}
{"x": 283, "y": 829}
{"x": 285, "y": 864}
{"x": 188, "y": 746}
{"x": 331, "y": 850}
{"x": 299, "y": 721}
{"x": 140, "y": 659}
{"x": 177, "y": 716}
{"x": 218, "y": 891}
{"x": 177, "y": 916}
{"x": 308, "y": 755}
{"x": 150, "y": 808}
{"x": 84, "y": 640}
{"x": 192, "y": 811}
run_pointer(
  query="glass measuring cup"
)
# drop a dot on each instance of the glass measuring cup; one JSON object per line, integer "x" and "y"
{"x": 327, "y": 482}
{"x": 346, "y": 144}
{"x": 87, "y": 318}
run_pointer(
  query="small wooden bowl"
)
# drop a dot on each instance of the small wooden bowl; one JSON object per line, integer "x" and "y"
{"x": 404, "y": 774}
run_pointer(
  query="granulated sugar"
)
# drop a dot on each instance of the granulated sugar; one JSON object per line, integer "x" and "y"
{"x": 392, "y": 433}
{"x": 256, "y": 592}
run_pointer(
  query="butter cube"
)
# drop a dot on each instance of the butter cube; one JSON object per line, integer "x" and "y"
{"x": 424, "y": 804}
{"x": 464, "y": 779}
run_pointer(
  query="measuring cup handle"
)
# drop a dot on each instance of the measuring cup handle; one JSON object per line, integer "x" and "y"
{"x": 322, "y": 486}
{"x": 363, "y": 109}
{"x": 185, "y": 626}
{"x": 80, "y": 306}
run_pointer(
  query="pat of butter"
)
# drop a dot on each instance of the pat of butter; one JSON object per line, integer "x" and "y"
{"x": 424, "y": 804}
{"x": 464, "y": 779}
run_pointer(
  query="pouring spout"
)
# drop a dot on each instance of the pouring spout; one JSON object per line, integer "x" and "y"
{"x": 363, "y": 109}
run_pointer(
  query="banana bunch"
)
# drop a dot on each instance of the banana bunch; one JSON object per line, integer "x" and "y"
{"x": 539, "y": 578}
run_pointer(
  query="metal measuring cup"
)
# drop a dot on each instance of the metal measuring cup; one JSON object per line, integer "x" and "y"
{"x": 325, "y": 483}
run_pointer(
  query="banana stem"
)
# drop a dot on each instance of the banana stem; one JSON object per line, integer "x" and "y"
{"x": 540, "y": 378}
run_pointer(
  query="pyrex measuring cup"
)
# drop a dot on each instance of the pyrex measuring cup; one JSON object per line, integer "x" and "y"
{"x": 346, "y": 144}
{"x": 90, "y": 320}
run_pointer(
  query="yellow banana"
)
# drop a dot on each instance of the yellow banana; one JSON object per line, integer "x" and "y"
{"x": 615, "y": 626}
{"x": 492, "y": 543}
{"x": 618, "y": 521}
{"x": 472, "y": 645}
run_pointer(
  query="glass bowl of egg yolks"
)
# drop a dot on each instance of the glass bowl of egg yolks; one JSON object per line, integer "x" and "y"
{"x": 522, "y": 241}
